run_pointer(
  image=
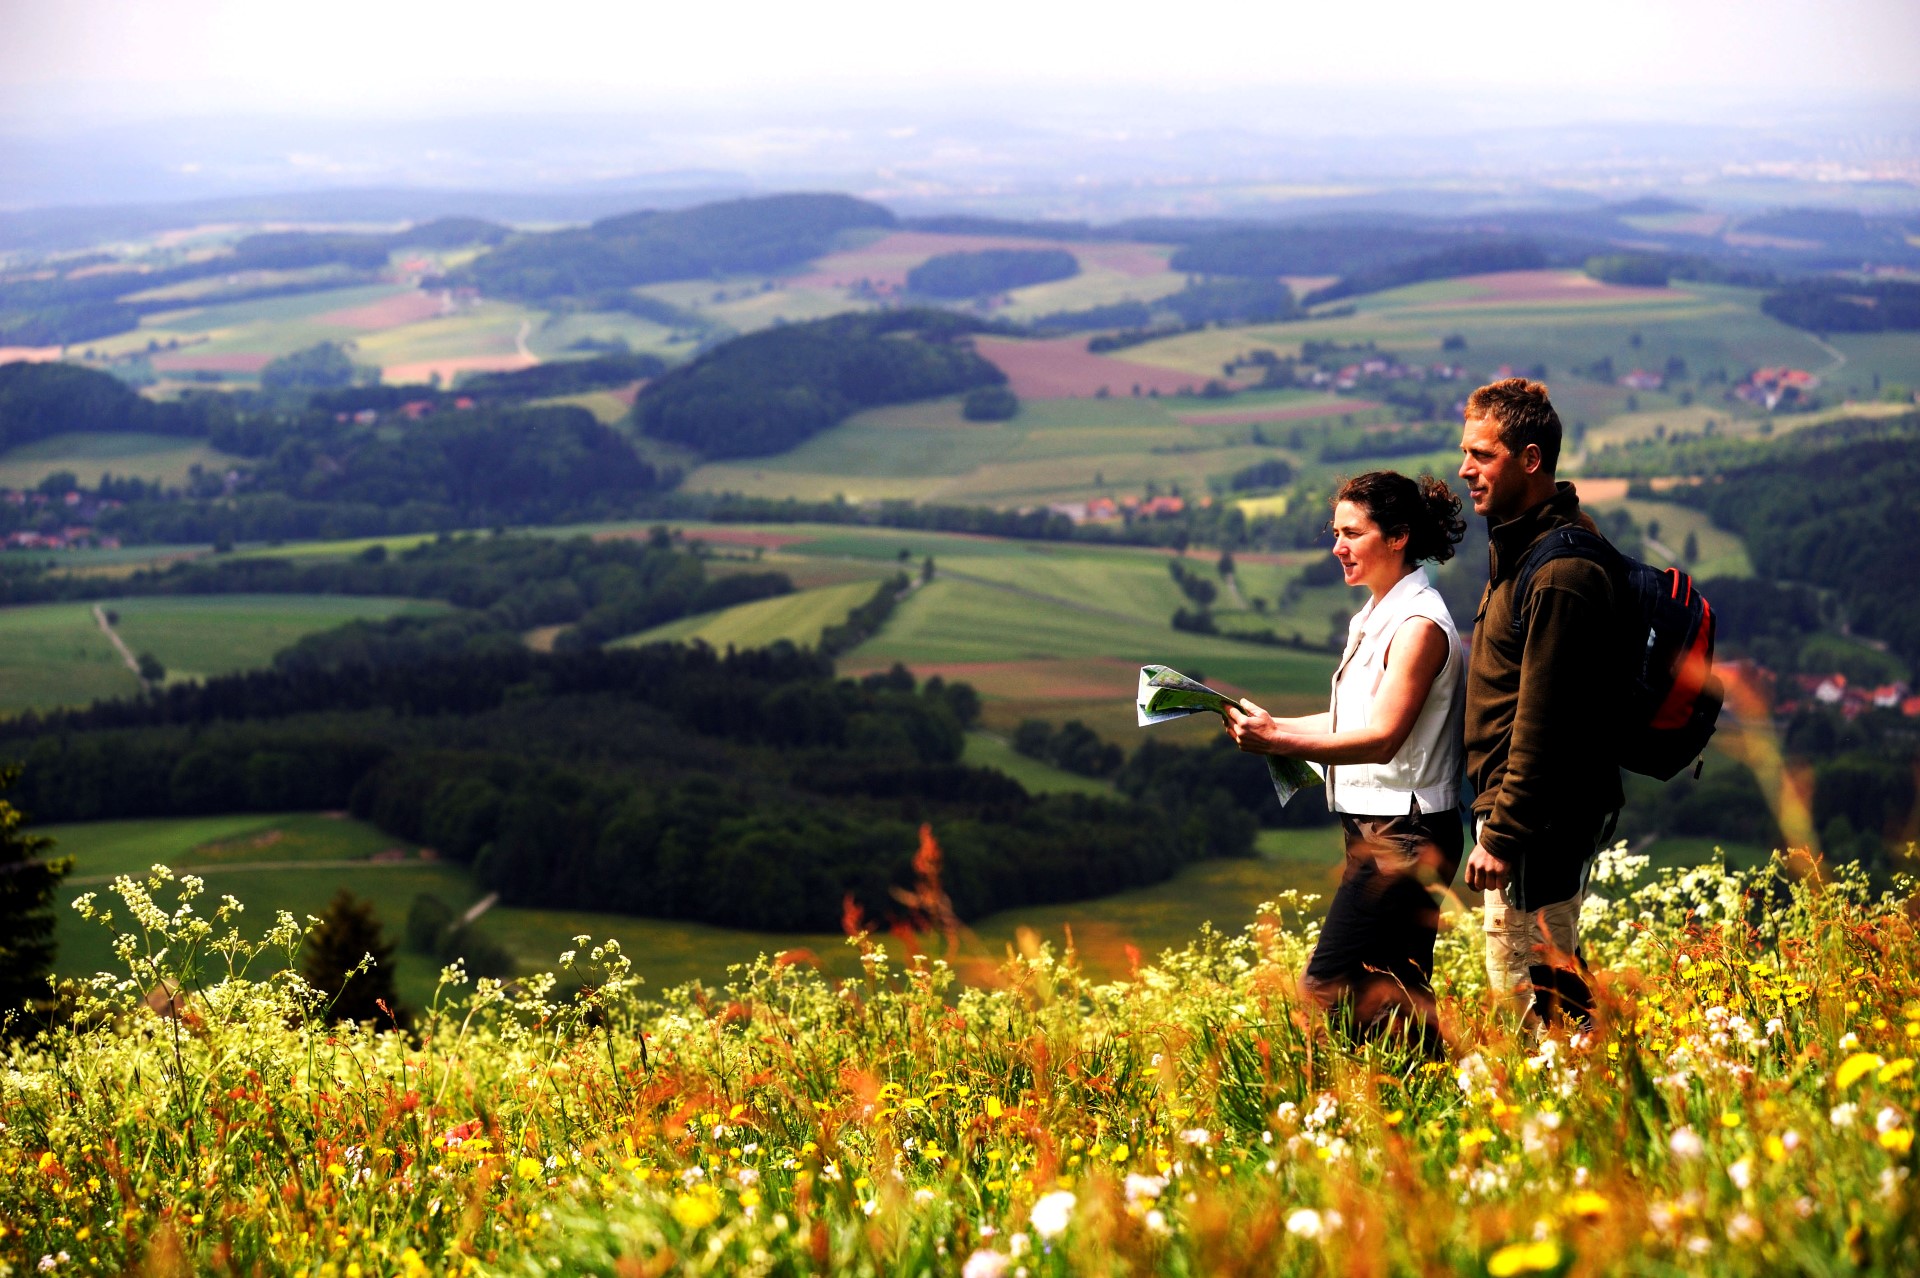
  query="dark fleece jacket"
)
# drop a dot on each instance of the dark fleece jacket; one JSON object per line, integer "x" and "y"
{"x": 1540, "y": 750}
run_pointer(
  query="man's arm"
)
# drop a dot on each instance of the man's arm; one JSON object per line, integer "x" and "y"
{"x": 1565, "y": 707}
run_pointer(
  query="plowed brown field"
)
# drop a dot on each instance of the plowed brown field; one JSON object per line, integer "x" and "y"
{"x": 392, "y": 312}
{"x": 1063, "y": 368}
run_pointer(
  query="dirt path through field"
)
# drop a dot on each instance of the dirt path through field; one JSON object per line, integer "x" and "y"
{"x": 478, "y": 908}
{"x": 113, "y": 637}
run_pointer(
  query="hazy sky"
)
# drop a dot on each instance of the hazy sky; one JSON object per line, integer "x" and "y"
{"x": 120, "y": 58}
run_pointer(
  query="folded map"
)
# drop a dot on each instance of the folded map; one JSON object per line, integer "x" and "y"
{"x": 1164, "y": 693}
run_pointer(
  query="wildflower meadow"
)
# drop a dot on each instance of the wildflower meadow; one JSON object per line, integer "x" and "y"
{"x": 1745, "y": 1104}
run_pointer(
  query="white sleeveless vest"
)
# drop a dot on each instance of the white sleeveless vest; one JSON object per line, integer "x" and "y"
{"x": 1431, "y": 759}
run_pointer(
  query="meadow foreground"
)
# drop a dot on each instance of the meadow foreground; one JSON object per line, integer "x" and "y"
{"x": 1745, "y": 1106}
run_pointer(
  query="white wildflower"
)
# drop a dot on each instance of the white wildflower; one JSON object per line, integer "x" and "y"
{"x": 1052, "y": 1213}
{"x": 1305, "y": 1223}
{"x": 1144, "y": 1188}
{"x": 985, "y": 1264}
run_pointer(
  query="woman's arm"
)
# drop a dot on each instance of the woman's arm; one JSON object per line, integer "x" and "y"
{"x": 1415, "y": 658}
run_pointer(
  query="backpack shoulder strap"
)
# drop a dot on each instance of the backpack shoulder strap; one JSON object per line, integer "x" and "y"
{"x": 1571, "y": 542}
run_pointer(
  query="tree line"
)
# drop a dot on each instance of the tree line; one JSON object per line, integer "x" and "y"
{"x": 975, "y": 274}
{"x": 766, "y": 392}
{"x": 747, "y": 789}
{"x": 764, "y": 233}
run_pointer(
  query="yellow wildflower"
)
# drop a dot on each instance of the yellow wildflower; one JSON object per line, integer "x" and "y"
{"x": 529, "y": 1168}
{"x": 1854, "y": 1068}
{"x": 1588, "y": 1205}
{"x": 694, "y": 1211}
{"x": 1894, "y": 1069}
{"x": 1524, "y": 1258}
{"x": 1897, "y": 1139}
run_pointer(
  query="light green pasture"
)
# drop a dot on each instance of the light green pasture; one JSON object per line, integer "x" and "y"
{"x": 798, "y": 618}
{"x": 554, "y": 333}
{"x": 164, "y": 459}
{"x": 991, "y": 750}
{"x": 952, "y": 621}
{"x": 195, "y": 636}
{"x": 489, "y": 329}
{"x": 1093, "y": 286}
{"x": 1054, "y": 450}
{"x": 55, "y": 655}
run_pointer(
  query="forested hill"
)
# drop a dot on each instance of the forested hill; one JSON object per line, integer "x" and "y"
{"x": 768, "y": 391}
{"x": 761, "y": 234}
{"x": 961, "y": 275}
{"x": 42, "y": 399}
{"x": 750, "y": 790}
{"x": 1369, "y": 257}
{"x": 349, "y": 462}
{"x": 1834, "y": 508}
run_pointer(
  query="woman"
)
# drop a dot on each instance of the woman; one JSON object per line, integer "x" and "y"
{"x": 1392, "y": 746}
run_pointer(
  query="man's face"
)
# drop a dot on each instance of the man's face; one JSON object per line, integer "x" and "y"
{"x": 1498, "y": 479}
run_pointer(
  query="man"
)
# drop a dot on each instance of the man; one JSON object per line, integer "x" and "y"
{"x": 1539, "y": 731}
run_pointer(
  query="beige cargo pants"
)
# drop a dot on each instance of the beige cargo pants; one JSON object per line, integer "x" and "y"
{"x": 1533, "y": 956}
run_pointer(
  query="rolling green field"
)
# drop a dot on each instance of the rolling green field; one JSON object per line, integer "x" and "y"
{"x": 798, "y": 618}
{"x": 274, "y": 324}
{"x": 1095, "y": 285}
{"x": 55, "y": 654}
{"x": 163, "y": 459}
{"x": 487, "y": 331}
{"x": 1055, "y": 450}
{"x": 209, "y": 635}
{"x": 259, "y": 858}
{"x": 1050, "y": 630}
{"x": 1072, "y": 450}
{"x": 554, "y": 335}
{"x": 1722, "y": 554}
{"x": 1574, "y": 324}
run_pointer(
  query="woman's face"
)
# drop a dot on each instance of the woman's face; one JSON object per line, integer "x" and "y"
{"x": 1367, "y": 556}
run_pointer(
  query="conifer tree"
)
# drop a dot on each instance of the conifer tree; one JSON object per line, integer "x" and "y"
{"x": 347, "y": 933}
{"x": 27, "y": 882}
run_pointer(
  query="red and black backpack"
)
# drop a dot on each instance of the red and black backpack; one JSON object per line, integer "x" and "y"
{"x": 1671, "y": 698}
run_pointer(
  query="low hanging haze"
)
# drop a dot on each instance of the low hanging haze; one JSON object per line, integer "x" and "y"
{"x": 220, "y": 96}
